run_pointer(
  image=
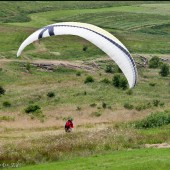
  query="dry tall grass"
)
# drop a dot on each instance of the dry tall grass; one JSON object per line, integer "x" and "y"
{"x": 58, "y": 145}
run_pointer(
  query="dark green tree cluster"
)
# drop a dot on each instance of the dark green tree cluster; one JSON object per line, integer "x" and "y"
{"x": 109, "y": 69}
{"x": 2, "y": 91}
{"x": 89, "y": 79}
{"x": 164, "y": 70}
{"x": 120, "y": 81}
{"x": 154, "y": 62}
{"x": 51, "y": 94}
{"x": 154, "y": 120}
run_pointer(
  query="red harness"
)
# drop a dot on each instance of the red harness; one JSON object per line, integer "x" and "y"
{"x": 69, "y": 124}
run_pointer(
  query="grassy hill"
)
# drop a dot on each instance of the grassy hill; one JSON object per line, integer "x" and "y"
{"x": 102, "y": 113}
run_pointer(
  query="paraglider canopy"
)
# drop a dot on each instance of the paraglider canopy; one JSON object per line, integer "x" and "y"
{"x": 99, "y": 37}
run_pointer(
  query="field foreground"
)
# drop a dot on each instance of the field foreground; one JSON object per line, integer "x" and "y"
{"x": 114, "y": 128}
{"x": 143, "y": 159}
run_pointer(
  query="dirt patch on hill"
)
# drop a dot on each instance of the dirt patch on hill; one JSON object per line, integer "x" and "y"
{"x": 67, "y": 64}
{"x": 45, "y": 64}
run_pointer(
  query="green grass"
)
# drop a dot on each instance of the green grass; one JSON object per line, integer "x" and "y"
{"x": 11, "y": 38}
{"x": 143, "y": 159}
{"x": 78, "y": 14}
{"x": 11, "y": 11}
{"x": 143, "y": 27}
{"x": 70, "y": 88}
{"x": 137, "y": 26}
{"x": 29, "y": 90}
{"x": 154, "y": 120}
{"x": 57, "y": 147}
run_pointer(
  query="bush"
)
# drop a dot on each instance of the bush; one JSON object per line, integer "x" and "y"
{"x": 32, "y": 108}
{"x": 51, "y": 94}
{"x": 116, "y": 80}
{"x": 104, "y": 105}
{"x": 120, "y": 81}
{"x": 6, "y": 104}
{"x": 35, "y": 112}
{"x": 164, "y": 70}
{"x": 156, "y": 103}
{"x": 89, "y": 79}
{"x": 109, "y": 69}
{"x": 28, "y": 66}
{"x": 154, "y": 62}
{"x": 93, "y": 105}
{"x": 85, "y": 48}
{"x": 128, "y": 106}
{"x": 123, "y": 83}
{"x": 78, "y": 73}
{"x": 2, "y": 91}
{"x": 154, "y": 120}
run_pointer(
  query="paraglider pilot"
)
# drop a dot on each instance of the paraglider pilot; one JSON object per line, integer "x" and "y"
{"x": 69, "y": 125}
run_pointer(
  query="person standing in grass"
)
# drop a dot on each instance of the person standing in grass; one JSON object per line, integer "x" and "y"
{"x": 69, "y": 125}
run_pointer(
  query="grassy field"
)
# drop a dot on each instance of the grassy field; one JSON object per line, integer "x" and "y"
{"x": 73, "y": 92}
{"x": 103, "y": 115}
{"x": 143, "y": 159}
{"x": 136, "y": 27}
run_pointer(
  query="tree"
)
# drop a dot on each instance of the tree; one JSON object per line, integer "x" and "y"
{"x": 32, "y": 108}
{"x": 164, "y": 70}
{"x": 109, "y": 69}
{"x": 123, "y": 83}
{"x": 116, "y": 80}
{"x": 2, "y": 90}
{"x": 120, "y": 81}
{"x": 85, "y": 48}
{"x": 51, "y": 94}
{"x": 154, "y": 62}
{"x": 89, "y": 79}
{"x": 28, "y": 67}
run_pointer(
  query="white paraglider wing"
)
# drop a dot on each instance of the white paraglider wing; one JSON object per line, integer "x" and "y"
{"x": 99, "y": 37}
